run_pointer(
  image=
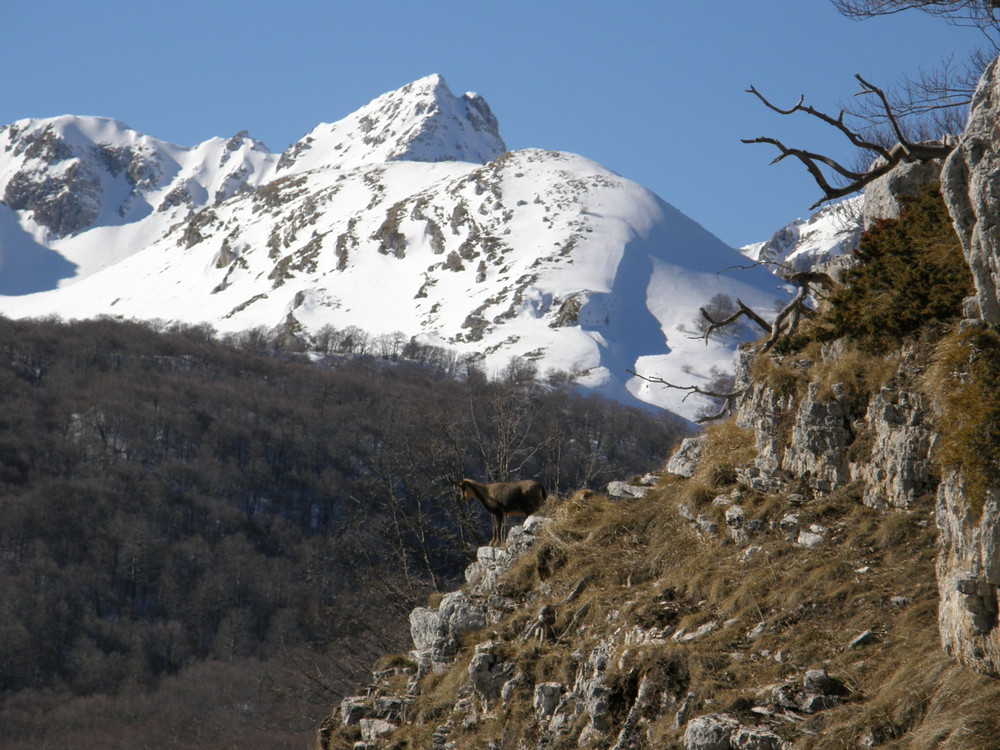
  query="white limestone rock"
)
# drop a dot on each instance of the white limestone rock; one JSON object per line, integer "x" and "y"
{"x": 972, "y": 192}
{"x": 684, "y": 461}
{"x": 968, "y": 576}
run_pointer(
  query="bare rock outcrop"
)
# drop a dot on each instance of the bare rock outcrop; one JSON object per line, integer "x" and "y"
{"x": 968, "y": 562}
{"x": 762, "y": 410}
{"x": 968, "y": 576}
{"x": 436, "y": 633}
{"x": 898, "y": 468}
{"x": 972, "y": 192}
{"x": 885, "y": 196}
{"x": 685, "y": 458}
{"x": 817, "y": 451}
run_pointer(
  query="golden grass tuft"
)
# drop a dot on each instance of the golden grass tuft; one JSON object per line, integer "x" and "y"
{"x": 727, "y": 447}
{"x": 964, "y": 382}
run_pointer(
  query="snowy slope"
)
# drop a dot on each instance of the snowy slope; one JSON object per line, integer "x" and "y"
{"x": 408, "y": 215}
{"x": 804, "y": 243}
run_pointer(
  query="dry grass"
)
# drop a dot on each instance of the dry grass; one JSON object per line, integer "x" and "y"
{"x": 964, "y": 382}
{"x": 858, "y": 372}
{"x": 644, "y": 566}
{"x": 785, "y": 375}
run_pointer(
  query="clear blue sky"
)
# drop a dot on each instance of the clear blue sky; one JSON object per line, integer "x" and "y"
{"x": 653, "y": 89}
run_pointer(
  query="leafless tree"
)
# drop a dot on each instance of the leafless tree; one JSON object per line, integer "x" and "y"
{"x": 847, "y": 180}
{"x": 983, "y": 15}
{"x": 936, "y": 99}
{"x": 728, "y": 398}
{"x": 930, "y": 105}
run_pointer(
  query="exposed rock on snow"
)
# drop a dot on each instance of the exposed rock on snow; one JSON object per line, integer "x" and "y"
{"x": 833, "y": 231}
{"x": 406, "y": 216}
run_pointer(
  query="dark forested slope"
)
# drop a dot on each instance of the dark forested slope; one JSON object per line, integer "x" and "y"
{"x": 189, "y": 528}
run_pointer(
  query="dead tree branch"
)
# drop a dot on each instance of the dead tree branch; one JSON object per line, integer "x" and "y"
{"x": 787, "y": 320}
{"x": 729, "y": 399}
{"x": 743, "y": 310}
{"x": 904, "y": 150}
{"x": 983, "y": 15}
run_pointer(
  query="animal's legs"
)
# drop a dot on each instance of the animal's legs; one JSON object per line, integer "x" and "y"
{"x": 497, "y": 537}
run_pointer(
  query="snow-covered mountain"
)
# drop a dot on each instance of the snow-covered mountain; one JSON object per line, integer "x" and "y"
{"x": 832, "y": 231}
{"x": 409, "y": 215}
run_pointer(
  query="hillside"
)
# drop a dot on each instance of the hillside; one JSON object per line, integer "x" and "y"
{"x": 406, "y": 216}
{"x": 203, "y": 542}
{"x": 817, "y": 571}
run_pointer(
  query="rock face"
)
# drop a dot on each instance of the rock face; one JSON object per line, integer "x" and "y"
{"x": 436, "y": 633}
{"x": 884, "y": 197}
{"x": 723, "y": 732}
{"x": 968, "y": 573}
{"x": 885, "y": 445}
{"x": 968, "y": 563}
{"x": 899, "y": 468}
{"x": 685, "y": 458}
{"x": 821, "y": 433}
{"x": 970, "y": 188}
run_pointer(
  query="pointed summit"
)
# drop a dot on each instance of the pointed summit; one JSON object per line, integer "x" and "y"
{"x": 422, "y": 121}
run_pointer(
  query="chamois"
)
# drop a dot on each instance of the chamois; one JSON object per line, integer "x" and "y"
{"x": 504, "y": 499}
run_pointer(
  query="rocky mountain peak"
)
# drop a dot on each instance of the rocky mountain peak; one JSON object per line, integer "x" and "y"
{"x": 494, "y": 254}
{"x": 422, "y": 121}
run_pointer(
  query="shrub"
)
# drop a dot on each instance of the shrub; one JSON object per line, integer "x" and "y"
{"x": 910, "y": 272}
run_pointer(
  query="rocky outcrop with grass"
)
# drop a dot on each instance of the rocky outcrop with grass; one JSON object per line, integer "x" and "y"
{"x": 964, "y": 381}
{"x": 819, "y": 571}
{"x": 776, "y": 588}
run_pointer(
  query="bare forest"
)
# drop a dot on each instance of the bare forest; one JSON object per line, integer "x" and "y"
{"x": 203, "y": 542}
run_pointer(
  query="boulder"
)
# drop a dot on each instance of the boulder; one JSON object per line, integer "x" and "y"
{"x": 487, "y": 672}
{"x": 436, "y": 633}
{"x": 624, "y": 490}
{"x": 818, "y": 681}
{"x": 757, "y": 738}
{"x": 685, "y": 459}
{"x": 372, "y": 729}
{"x": 353, "y": 709}
{"x": 547, "y": 697}
{"x": 884, "y": 196}
{"x": 710, "y": 732}
{"x": 813, "y": 537}
{"x": 735, "y": 518}
{"x": 866, "y": 638}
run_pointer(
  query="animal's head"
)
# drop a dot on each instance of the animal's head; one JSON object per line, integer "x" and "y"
{"x": 464, "y": 489}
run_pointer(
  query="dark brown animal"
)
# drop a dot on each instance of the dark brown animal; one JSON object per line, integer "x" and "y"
{"x": 504, "y": 499}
